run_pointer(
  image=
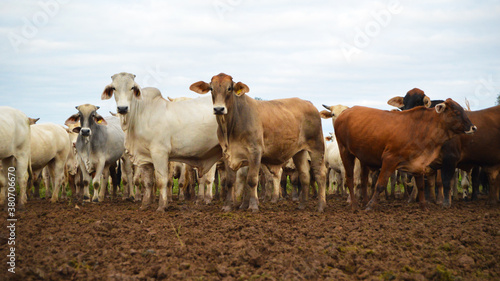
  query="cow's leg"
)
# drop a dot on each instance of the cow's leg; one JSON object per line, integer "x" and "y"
{"x": 475, "y": 182}
{"x": 86, "y": 179}
{"x": 363, "y": 186}
{"x": 294, "y": 180}
{"x": 302, "y": 166}
{"x": 454, "y": 183}
{"x": 103, "y": 184}
{"x": 139, "y": 183}
{"x": 319, "y": 171}
{"x": 430, "y": 188}
{"x": 388, "y": 167}
{"x": 35, "y": 182}
{"x": 348, "y": 160}
{"x": 252, "y": 182}
{"x": 4, "y": 183}
{"x": 128, "y": 178}
{"x": 146, "y": 175}
{"x": 160, "y": 162}
{"x": 97, "y": 182}
{"x": 447, "y": 173}
{"x": 22, "y": 176}
{"x": 113, "y": 173}
{"x": 72, "y": 184}
{"x": 208, "y": 180}
{"x": 229, "y": 187}
{"x": 392, "y": 196}
{"x": 273, "y": 178}
{"x": 494, "y": 180}
{"x": 56, "y": 169}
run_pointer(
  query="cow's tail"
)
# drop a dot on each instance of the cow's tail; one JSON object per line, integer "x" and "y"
{"x": 30, "y": 170}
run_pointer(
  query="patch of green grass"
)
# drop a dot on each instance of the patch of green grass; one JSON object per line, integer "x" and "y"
{"x": 387, "y": 275}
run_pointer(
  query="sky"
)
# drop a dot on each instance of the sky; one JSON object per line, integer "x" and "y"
{"x": 58, "y": 54}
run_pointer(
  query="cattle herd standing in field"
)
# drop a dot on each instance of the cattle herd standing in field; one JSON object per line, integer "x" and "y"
{"x": 245, "y": 142}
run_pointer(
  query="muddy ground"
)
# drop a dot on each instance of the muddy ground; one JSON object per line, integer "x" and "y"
{"x": 116, "y": 241}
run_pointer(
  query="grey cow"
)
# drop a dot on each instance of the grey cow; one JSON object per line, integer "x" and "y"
{"x": 99, "y": 145}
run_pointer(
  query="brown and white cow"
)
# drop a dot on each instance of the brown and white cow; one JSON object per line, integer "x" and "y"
{"x": 408, "y": 140}
{"x": 252, "y": 132}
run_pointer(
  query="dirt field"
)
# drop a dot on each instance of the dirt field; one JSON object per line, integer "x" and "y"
{"x": 116, "y": 241}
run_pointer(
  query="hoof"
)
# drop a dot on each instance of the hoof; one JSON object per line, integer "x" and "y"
{"x": 144, "y": 207}
{"x": 53, "y": 200}
{"x": 226, "y": 208}
{"x": 302, "y": 206}
{"x": 255, "y": 210}
{"x": 161, "y": 209}
{"x": 95, "y": 200}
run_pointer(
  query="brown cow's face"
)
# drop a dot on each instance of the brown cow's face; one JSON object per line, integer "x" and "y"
{"x": 223, "y": 90}
{"x": 455, "y": 117}
{"x": 125, "y": 89}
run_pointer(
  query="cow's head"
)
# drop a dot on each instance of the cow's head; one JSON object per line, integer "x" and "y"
{"x": 223, "y": 91}
{"x": 414, "y": 97}
{"x": 332, "y": 112}
{"x": 87, "y": 116}
{"x": 455, "y": 118}
{"x": 125, "y": 89}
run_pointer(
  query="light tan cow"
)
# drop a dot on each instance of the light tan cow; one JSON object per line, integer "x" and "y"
{"x": 50, "y": 147}
{"x": 158, "y": 131}
{"x": 14, "y": 145}
{"x": 252, "y": 132}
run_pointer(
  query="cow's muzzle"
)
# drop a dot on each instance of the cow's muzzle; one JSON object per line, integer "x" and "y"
{"x": 122, "y": 109}
{"x": 85, "y": 132}
{"x": 219, "y": 110}
{"x": 471, "y": 130}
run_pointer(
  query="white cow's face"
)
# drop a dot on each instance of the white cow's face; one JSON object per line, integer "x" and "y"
{"x": 125, "y": 89}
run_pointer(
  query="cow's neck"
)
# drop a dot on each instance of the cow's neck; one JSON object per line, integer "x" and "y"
{"x": 229, "y": 124}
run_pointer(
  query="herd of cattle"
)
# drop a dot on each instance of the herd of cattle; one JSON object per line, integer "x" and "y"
{"x": 240, "y": 140}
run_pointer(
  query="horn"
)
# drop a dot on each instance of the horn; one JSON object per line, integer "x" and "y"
{"x": 326, "y": 106}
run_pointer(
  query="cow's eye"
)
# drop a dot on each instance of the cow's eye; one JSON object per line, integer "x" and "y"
{"x": 230, "y": 88}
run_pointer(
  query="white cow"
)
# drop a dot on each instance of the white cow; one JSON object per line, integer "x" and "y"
{"x": 14, "y": 145}
{"x": 50, "y": 147}
{"x": 100, "y": 144}
{"x": 158, "y": 131}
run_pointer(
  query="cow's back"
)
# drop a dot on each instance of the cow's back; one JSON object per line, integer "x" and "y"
{"x": 115, "y": 145}
{"x": 14, "y": 131}
{"x": 288, "y": 123}
{"x": 47, "y": 140}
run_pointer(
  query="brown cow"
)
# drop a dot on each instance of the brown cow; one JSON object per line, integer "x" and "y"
{"x": 466, "y": 151}
{"x": 409, "y": 140}
{"x": 252, "y": 132}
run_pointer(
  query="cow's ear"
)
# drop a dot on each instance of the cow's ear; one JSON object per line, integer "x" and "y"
{"x": 108, "y": 92}
{"x": 73, "y": 119}
{"x": 396, "y": 102}
{"x": 427, "y": 102}
{"x": 440, "y": 107}
{"x": 240, "y": 89}
{"x": 99, "y": 120}
{"x": 200, "y": 87}
{"x": 325, "y": 114}
{"x": 76, "y": 130}
{"x": 137, "y": 91}
{"x": 33, "y": 121}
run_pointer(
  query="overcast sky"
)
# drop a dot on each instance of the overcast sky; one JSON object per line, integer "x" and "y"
{"x": 55, "y": 54}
